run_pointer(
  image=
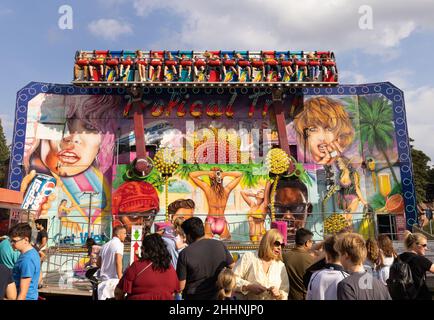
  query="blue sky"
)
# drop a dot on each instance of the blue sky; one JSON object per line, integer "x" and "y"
{"x": 398, "y": 47}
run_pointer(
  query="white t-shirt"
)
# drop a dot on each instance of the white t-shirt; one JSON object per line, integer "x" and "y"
{"x": 384, "y": 271}
{"x": 108, "y": 261}
{"x": 323, "y": 284}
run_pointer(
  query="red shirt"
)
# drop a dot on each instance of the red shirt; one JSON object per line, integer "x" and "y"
{"x": 150, "y": 284}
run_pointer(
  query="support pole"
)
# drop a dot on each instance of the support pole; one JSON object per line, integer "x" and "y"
{"x": 280, "y": 120}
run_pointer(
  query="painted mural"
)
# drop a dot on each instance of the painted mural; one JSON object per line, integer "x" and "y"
{"x": 344, "y": 162}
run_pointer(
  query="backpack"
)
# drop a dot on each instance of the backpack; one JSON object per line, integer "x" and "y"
{"x": 400, "y": 284}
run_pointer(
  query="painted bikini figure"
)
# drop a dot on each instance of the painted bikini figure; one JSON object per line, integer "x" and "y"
{"x": 217, "y": 196}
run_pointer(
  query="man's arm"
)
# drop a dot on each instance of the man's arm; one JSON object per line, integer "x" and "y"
{"x": 43, "y": 242}
{"x": 118, "y": 261}
{"x": 11, "y": 291}
{"x": 24, "y": 288}
{"x": 182, "y": 285}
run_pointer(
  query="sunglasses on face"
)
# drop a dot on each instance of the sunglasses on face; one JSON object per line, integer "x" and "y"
{"x": 423, "y": 245}
{"x": 294, "y": 208}
{"x": 279, "y": 244}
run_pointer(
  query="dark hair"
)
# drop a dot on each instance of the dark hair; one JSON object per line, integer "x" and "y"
{"x": 21, "y": 230}
{"x": 42, "y": 222}
{"x": 117, "y": 229}
{"x": 386, "y": 245}
{"x": 302, "y": 235}
{"x": 178, "y": 204}
{"x": 154, "y": 249}
{"x": 294, "y": 183}
{"x": 89, "y": 243}
{"x": 193, "y": 228}
{"x": 329, "y": 249}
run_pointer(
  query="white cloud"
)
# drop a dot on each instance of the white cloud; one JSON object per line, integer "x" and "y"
{"x": 282, "y": 24}
{"x": 109, "y": 29}
{"x": 419, "y": 105}
{"x": 351, "y": 77}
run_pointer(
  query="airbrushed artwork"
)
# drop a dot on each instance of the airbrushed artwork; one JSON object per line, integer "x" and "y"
{"x": 348, "y": 158}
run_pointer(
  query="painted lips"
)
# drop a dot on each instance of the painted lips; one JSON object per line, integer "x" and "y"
{"x": 68, "y": 157}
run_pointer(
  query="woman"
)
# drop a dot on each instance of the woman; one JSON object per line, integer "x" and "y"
{"x": 416, "y": 245}
{"x": 388, "y": 254}
{"x": 258, "y": 211}
{"x": 152, "y": 277}
{"x": 373, "y": 257}
{"x": 324, "y": 130}
{"x": 262, "y": 275}
{"x": 217, "y": 196}
{"x": 350, "y": 195}
{"x": 80, "y": 160}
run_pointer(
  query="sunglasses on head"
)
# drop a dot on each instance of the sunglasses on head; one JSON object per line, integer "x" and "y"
{"x": 279, "y": 244}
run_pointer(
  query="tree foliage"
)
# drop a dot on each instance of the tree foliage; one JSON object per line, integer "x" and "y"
{"x": 4, "y": 157}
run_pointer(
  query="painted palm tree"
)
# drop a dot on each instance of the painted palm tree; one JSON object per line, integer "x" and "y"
{"x": 375, "y": 125}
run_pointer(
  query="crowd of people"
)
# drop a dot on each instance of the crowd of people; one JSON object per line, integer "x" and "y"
{"x": 341, "y": 267}
{"x": 210, "y": 66}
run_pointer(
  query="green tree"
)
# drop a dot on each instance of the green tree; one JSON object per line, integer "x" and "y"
{"x": 421, "y": 172}
{"x": 375, "y": 125}
{"x": 4, "y": 156}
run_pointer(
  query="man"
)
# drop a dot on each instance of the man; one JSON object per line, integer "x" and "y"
{"x": 297, "y": 260}
{"x": 41, "y": 243}
{"x": 360, "y": 285}
{"x": 200, "y": 263}
{"x": 291, "y": 204}
{"x": 42, "y": 237}
{"x": 8, "y": 289}
{"x": 8, "y": 256}
{"x": 323, "y": 284}
{"x": 27, "y": 269}
{"x": 181, "y": 208}
{"x": 110, "y": 262}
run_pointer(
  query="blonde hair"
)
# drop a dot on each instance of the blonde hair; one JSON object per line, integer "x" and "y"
{"x": 353, "y": 245}
{"x": 265, "y": 251}
{"x": 226, "y": 282}
{"x": 325, "y": 112}
{"x": 413, "y": 238}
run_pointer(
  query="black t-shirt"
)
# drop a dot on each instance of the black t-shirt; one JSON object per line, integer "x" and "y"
{"x": 5, "y": 279}
{"x": 419, "y": 265}
{"x": 41, "y": 234}
{"x": 362, "y": 286}
{"x": 199, "y": 264}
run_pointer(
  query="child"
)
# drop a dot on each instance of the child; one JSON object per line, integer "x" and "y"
{"x": 156, "y": 66}
{"x": 141, "y": 65}
{"x": 226, "y": 282}
{"x": 232, "y": 67}
{"x": 286, "y": 69}
{"x": 171, "y": 66}
{"x": 126, "y": 62}
{"x": 239, "y": 58}
{"x": 183, "y": 62}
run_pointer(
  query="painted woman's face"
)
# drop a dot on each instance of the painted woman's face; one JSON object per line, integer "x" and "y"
{"x": 320, "y": 142}
{"x": 75, "y": 152}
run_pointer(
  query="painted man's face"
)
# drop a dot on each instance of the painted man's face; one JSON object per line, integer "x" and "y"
{"x": 290, "y": 204}
{"x": 184, "y": 213}
{"x": 75, "y": 152}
